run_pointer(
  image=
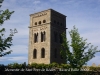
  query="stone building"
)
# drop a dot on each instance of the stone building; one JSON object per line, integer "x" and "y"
{"x": 45, "y": 38}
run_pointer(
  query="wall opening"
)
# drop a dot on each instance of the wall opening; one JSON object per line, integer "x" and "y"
{"x": 44, "y": 21}
{"x": 39, "y": 22}
{"x": 42, "y": 53}
{"x": 34, "y": 54}
{"x": 43, "y": 36}
{"x": 35, "y": 23}
{"x": 35, "y": 37}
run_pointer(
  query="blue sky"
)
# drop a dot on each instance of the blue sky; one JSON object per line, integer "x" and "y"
{"x": 84, "y": 14}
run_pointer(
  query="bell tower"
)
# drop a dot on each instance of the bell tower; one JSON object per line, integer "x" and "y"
{"x": 45, "y": 38}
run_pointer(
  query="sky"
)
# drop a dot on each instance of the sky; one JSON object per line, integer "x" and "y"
{"x": 84, "y": 14}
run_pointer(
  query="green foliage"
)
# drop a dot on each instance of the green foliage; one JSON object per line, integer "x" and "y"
{"x": 54, "y": 64}
{"x": 5, "y": 15}
{"x": 81, "y": 52}
{"x": 94, "y": 68}
{"x": 14, "y": 65}
{"x": 41, "y": 66}
{"x": 5, "y": 42}
{"x": 65, "y": 66}
{"x": 50, "y": 66}
{"x": 56, "y": 69}
{"x": 33, "y": 65}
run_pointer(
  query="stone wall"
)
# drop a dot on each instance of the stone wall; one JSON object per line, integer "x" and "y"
{"x": 44, "y": 22}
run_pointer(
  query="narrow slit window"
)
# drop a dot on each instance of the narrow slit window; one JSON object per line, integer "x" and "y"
{"x": 42, "y": 53}
{"x": 34, "y": 54}
{"x": 44, "y": 36}
{"x": 41, "y": 37}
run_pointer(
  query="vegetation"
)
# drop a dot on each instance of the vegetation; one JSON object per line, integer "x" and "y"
{"x": 49, "y": 66}
{"x": 5, "y": 42}
{"x": 75, "y": 58}
{"x": 79, "y": 52}
{"x": 48, "y": 69}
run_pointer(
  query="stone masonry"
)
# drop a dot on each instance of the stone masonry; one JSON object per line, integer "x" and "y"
{"x": 45, "y": 38}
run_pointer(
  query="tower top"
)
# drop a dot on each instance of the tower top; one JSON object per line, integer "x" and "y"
{"x": 51, "y": 10}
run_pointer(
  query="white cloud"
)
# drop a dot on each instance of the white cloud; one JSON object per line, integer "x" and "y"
{"x": 19, "y": 49}
{"x": 18, "y": 59}
{"x": 36, "y": 2}
{"x": 79, "y": 14}
{"x": 3, "y": 58}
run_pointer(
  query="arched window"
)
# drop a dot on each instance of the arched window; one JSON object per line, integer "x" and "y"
{"x": 35, "y": 37}
{"x": 39, "y": 22}
{"x": 42, "y": 53}
{"x": 55, "y": 53}
{"x": 35, "y": 23}
{"x": 43, "y": 36}
{"x": 34, "y": 54}
{"x": 44, "y": 21}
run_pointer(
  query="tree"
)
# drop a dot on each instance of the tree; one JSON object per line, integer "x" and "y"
{"x": 81, "y": 52}
{"x": 5, "y": 42}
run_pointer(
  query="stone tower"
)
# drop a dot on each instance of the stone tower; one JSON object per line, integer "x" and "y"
{"x": 45, "y": 38}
